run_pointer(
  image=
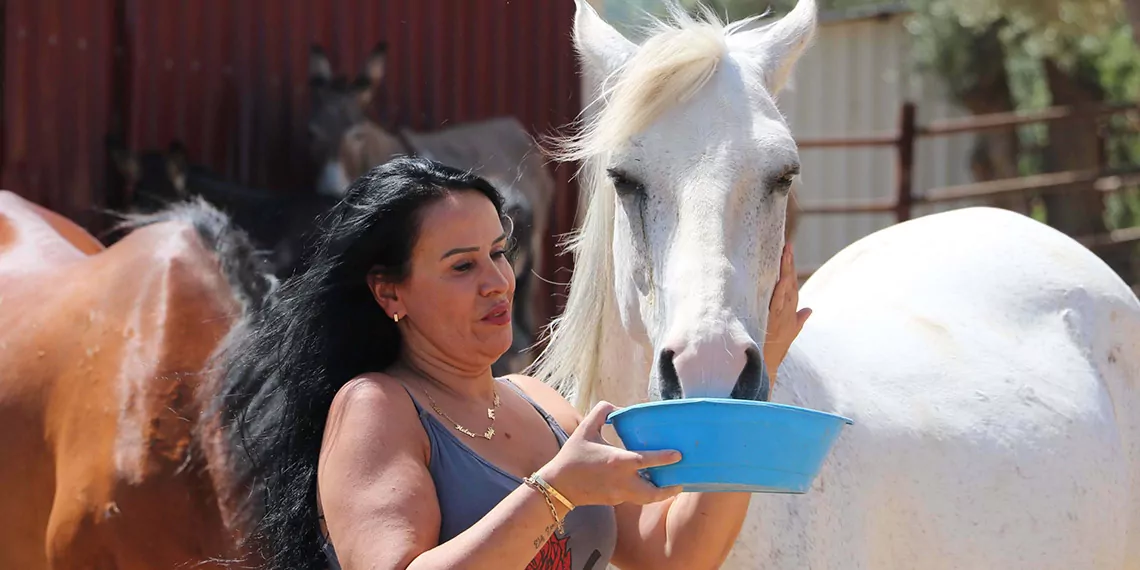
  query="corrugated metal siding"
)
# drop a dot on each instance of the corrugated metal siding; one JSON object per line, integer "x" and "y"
{"x": 58, "y": 60}
{"x": 230, "y": 80}
{"x": 450, "y": 61}
{"x": 853, "y": 82}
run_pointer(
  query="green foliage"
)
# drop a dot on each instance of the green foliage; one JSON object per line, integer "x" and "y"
{"x": 946, "y": 46}
{"x": 1083, "y": 37}
{"x": 1119, "y": 71}
{"x": 737, "y": 9}
{"x": 1043, "y": 28}
{"x": 1039, "y": 25}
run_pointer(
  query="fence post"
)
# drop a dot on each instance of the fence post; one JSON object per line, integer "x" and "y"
{"x": 904, "y": 195}
{"x": 1102, "y": 140}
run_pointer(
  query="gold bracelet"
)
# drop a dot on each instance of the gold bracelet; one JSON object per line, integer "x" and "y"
{"x": 549, "y": 489}
{"x": 542, "y": 491}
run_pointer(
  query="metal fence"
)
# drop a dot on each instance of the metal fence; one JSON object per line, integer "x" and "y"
{"x": 904, "y": 141}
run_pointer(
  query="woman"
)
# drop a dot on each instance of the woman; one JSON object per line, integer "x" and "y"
{"x": 401, "y": 450}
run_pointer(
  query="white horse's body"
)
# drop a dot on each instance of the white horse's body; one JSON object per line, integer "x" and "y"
{"x": 990, "y": 363}
{"x": 992, "y": 379}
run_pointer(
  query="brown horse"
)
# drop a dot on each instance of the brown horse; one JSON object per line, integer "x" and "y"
{"x": 102, "y": 353}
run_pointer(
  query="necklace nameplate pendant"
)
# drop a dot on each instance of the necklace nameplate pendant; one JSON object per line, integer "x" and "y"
{"x": 488, "y": 434}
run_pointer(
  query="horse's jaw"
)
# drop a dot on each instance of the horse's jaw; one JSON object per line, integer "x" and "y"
{"x": 625, "y": 361}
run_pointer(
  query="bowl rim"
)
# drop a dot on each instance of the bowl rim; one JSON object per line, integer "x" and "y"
{"x": 725, "y": 401}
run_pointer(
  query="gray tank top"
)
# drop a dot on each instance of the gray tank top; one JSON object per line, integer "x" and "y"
{"x": 468, "y": 487}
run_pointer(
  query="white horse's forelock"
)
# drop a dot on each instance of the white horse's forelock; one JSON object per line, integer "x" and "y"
{"x": 679, "y": 58}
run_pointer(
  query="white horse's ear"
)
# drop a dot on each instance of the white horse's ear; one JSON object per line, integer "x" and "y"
{"x": 601, "y": 49}
{"x": 780, "y": 45}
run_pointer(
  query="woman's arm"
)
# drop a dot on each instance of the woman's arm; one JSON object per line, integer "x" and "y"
{"x": 380, "y": 504}
{"x": 691, "y": 530}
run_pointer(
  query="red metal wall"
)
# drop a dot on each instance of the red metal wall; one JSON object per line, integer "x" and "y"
{"x": 230, "y": 80}
{"x": 57, "y": 101}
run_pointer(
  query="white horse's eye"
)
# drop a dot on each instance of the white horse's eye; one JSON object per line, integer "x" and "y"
{"x": 783, "y": 183}
{"x": 625, "y": 184}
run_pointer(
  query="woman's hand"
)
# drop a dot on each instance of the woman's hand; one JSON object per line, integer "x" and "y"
{"x": 784, "y": 322}
{"x": 589, "y": 471}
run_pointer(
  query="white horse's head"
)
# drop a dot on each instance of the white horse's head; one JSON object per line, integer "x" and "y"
{"x": 687, "y": 166}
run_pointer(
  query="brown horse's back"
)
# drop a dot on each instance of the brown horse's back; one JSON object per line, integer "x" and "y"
{"x": 101, "y": 355}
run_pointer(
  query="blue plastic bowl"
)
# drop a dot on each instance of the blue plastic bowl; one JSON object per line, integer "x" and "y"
{"x": 731, "y": 445}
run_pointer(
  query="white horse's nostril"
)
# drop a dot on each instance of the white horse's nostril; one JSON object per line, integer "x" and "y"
{"x": 753, "y": 383}
{"x": 670, "y": 383}
{"x": 719, "y": 366}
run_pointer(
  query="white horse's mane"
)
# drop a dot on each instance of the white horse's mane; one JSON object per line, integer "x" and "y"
{"x": 674, "y": 63}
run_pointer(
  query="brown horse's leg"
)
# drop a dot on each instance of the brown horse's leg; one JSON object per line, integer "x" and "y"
{"x": 72, "y": 535}
{"x": 26, "y": 471}
{"x": 154, "y": 524}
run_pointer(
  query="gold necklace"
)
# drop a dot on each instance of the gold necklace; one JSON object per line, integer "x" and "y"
{"x": 490, "y": 414}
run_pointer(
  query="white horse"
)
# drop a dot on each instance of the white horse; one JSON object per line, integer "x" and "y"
{"x": 990, "y": 363}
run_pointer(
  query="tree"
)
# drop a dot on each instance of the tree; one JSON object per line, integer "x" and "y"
{"x": 736, "y": 9}
{"x": 1132, "y": 8}
{"x": 1043, "y": 21}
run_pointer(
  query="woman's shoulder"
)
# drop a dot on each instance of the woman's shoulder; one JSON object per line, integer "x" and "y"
{"x": 548, "y": 399}
{"x": 374, "y": 405}
{"x": 369, "y": 390}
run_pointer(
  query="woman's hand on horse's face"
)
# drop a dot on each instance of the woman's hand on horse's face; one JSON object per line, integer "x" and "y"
{"x": 589, "y": 471}
{"x": 784, "y": 322}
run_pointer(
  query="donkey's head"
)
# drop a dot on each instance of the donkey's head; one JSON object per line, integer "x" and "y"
{"x": 343, "y": 142}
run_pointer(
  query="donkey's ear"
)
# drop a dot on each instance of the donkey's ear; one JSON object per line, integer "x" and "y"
{"x": 374, "y": 66}
{"x": 177, "y": 159}
{"x": 373, "y": 72}
{"x": 602, "y": 50}
{"x": 126, "y": 162}
{"x": 320, "y": 70}
{"x": 122, "y": 158}
{"x": 177, "y": 165}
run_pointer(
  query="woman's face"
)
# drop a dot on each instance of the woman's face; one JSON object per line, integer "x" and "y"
{"x": 456, "y": 302}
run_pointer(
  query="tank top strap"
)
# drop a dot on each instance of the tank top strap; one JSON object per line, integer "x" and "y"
{"x": 438, "y": 434}
{"x": 415, "y": 402}
{"x": 550, "y": 421}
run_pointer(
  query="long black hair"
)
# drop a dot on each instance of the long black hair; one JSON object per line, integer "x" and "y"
{"x": 322, "y": 329}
